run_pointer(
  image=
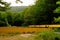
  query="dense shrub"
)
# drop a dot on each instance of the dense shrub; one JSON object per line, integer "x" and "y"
{"x": 11, "y": 19}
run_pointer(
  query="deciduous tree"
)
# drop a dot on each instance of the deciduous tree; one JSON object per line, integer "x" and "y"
{"x": 41, "y": 12}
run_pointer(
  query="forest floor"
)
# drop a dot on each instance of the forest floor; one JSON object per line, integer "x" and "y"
{"x": 17, "y": 37}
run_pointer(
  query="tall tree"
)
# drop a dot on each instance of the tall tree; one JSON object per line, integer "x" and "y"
{"x": 41, "y": 12}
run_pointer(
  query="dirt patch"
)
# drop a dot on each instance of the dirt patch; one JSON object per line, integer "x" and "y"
{"x": 26, "y": 35}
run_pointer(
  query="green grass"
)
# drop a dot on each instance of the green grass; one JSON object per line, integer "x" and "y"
{"x": 47, "y": 35}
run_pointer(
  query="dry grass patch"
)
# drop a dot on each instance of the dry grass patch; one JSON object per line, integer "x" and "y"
{"x": 16, "y": 37}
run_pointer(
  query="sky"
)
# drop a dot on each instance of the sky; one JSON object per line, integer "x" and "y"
{"x": 25, "y": 2}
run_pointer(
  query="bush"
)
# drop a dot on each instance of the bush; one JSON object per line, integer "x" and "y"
{"x": 57, "y": 29}
{"x": 15, "y": 19}
{"x": 11, "y": 19}
{"x": 47, "y": 35}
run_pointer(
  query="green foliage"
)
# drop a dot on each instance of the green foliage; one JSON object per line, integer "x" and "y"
{"x": 57, "y": 10}
{"x": 3, "y": 19}
{"x": 47, "y": 35}
{"x": 5, "y": 6}
{"x": 11, "y": 19}
{"x": 58, "y": 2}
{"x": 41, "y": 12}
{"x": 57, "y": 29}
{"x": 18, "y": 19}
{"x": 57, "y": 20}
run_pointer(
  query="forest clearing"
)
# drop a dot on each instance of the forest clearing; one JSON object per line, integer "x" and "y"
{"x": 29, "y": 19}
{"x": 24, "y": 33}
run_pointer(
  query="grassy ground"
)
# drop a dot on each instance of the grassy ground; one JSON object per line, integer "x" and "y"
{"x": 45, "y": 35}
{"x": 16, "y": 37}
